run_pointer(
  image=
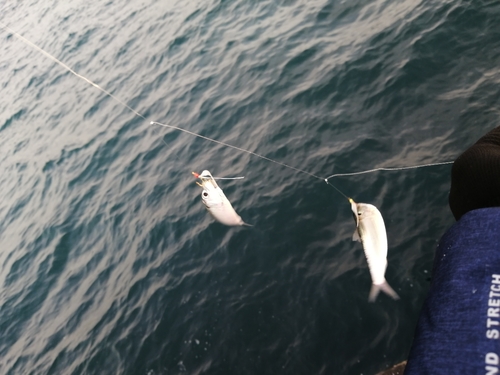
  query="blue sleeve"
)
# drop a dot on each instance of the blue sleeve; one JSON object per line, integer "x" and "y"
{"x": 458, "y": 331}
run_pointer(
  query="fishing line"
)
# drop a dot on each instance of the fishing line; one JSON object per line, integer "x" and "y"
{"x": 69, "y": 69}
{"x": 137, "y": 113}
{"x": 389, "y": 169}
{"x": 236, "y": 148}
{"x": 23, "y": 39}
{"x": 251, "y": 153}
{"x": 381, "y": 169}
{"x": 333, "y": 186}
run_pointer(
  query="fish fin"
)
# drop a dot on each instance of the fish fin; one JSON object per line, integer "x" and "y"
{"x": 355, "y": 236}
{"x": 384, "y": 287}
{"x": 247, "y": 225}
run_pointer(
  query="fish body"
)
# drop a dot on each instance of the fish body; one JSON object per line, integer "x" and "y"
{"x": 370, "y": 231}
{"x": 216, "y": 201}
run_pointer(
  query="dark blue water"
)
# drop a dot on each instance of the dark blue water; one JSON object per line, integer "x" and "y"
{"x": 109, "y": 264}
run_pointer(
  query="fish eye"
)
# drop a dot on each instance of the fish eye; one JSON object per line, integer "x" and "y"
{"x": 359, "y": 213}
{"x": 205, "y": 194}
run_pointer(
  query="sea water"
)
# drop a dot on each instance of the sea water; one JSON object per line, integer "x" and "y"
{"x": 109, "y": 263}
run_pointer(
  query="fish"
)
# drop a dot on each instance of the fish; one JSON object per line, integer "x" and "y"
{"x": 216, "y": 201}
{"x": 370, "y": 231}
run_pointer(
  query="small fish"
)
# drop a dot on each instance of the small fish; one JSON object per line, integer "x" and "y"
{"x": 216, "y": 202}
{"x": 370, "y": 231}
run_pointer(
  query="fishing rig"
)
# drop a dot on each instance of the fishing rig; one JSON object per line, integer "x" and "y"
{"x": 325, "y": 179}
{"x": 221, "y": 209}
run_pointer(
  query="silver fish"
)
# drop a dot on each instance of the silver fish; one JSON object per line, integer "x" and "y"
{"x": 370, "y": 231}
{"x": 216, "y": 202}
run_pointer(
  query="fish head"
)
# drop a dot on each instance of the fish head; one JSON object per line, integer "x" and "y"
{"x": 366, "y": 210}
{"x": 210, "y": 195}
{"x": 363, "y": 211}
{"x": 216, "y": 201}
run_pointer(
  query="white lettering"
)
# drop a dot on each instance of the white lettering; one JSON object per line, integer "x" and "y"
{"x": 492, "y": 334}
{"x": 490, "y": 323}
{"x": 493, "y": 313}
{"x": 491, "y": 359}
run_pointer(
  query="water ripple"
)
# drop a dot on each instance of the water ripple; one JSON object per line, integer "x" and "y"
{"x": 109, "y": 258}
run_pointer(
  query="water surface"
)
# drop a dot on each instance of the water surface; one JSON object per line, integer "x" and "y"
{"x": 109, "y": 262}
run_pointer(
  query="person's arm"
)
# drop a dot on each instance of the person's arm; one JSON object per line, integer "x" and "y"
{"x": 458, "y": 331}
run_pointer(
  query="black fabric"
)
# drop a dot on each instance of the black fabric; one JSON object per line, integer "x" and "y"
{"x": 475, "y": 176}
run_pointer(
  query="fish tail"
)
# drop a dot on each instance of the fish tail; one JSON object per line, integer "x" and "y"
{"x": 384, "y": 287}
